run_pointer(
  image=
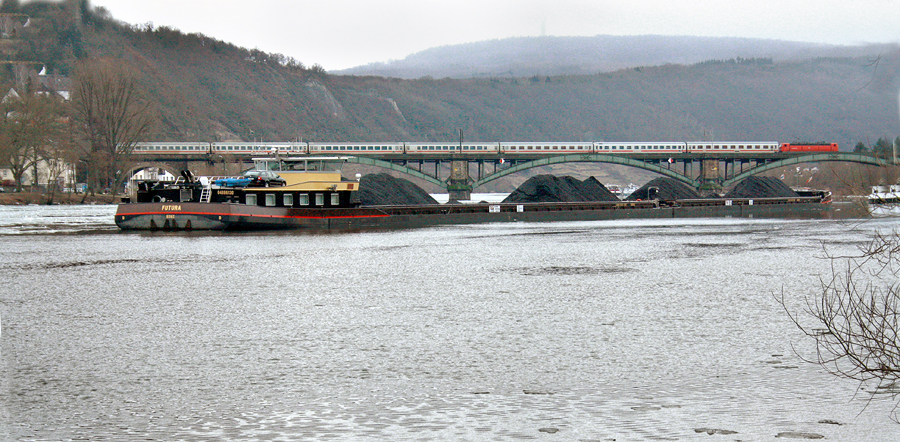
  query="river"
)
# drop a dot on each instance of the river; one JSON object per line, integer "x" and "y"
{"x": 570, "y": 331}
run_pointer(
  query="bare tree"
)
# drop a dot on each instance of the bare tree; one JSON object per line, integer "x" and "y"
{"x": 29, "y": 124}
{"x": 112, "y": 115}
{"x": 854, "y": 317}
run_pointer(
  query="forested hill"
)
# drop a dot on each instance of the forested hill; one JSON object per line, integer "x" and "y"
{"x": 210, "y": 90}
{"x": 528, "y": 56}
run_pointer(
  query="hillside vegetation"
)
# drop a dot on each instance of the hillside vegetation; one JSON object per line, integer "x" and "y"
{"x": 207, "y": 90}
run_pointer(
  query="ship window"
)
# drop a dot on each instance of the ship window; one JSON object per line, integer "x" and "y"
{"x": 335, "y": 199}
{"x": 270, "y": 199}
{"x": 320, "y": 199}
{"x": 251, "y": 199}
{"x": 303, "y": 199}
{"x": 288, "y": 199}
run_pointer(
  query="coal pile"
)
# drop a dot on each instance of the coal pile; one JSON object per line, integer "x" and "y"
{"x": 553, "y": 189}
{"x": 381, "y": 189}
{"x": 761, "y": 187}
{"x": 665, "y": 189}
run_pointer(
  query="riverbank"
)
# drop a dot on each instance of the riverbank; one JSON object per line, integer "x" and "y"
{"x": 23, "y": 198}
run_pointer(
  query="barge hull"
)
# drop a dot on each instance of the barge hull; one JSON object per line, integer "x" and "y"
{"x": 228, "y": 216}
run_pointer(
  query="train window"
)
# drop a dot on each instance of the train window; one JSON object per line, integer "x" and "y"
{"x": 250, "y": 199}
{"x": 303, "y": 199}
{"x": 335, "y": 199}
{"x": 288, "y": 199}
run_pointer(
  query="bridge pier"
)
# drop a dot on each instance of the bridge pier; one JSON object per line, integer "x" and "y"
{"x": 710, "y": 181}
{"x": 458, "y": 186}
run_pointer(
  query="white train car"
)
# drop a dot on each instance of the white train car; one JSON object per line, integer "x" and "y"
{"x": 174, "y": 148}
{"x": 354, "y": 148}
{"x": 249, "y": 148}
{"x": 667, "y": 147}
{"x": 561, "y": 148}
{"x": 444, "y": 148}
{"x": 733, "y": 146}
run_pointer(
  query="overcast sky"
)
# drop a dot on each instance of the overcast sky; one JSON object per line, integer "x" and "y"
{"x": 340, "y": 34}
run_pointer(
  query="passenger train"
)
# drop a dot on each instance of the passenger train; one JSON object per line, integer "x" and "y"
{"x": 504, "y": 148}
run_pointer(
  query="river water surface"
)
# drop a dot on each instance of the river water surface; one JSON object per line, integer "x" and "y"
{"x": 575, "y": 331}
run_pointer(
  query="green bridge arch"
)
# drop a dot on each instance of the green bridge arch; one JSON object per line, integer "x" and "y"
{"x": 397, "y": 167}
{"x": 588, "y": 158}
{"x": 847, "y": 157}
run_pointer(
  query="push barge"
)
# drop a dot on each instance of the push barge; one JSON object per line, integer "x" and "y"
{"x": 312, "y": 197}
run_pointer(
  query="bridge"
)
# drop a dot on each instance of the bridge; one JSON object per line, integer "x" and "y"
{"x": 462, "y": 172}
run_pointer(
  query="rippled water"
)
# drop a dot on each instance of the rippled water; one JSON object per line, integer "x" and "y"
{"x": 592, "y": 331}
{"x": 62, "y": 219}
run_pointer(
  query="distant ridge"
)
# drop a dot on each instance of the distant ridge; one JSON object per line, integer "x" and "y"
{"x": 529, "y": 56}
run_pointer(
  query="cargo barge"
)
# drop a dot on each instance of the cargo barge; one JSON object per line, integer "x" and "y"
{"x": 307, "y": 196}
